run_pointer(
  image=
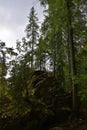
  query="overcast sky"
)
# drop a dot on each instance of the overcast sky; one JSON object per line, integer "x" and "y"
{"x": 13, "y": 19}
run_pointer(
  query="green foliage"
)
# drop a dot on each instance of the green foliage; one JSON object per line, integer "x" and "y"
{"x": 76, "y": 1}
{"x": 38, "y": 96}
{"x": 3, "y": 68}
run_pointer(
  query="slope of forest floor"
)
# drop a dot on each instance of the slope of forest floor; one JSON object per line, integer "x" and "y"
{"x": 48, "y": 109}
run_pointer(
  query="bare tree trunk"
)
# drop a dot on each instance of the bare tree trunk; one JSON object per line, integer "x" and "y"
{"x": 26, "y": 87}
{"x": 72, "y": 57}
{"x": 54, "y": 65}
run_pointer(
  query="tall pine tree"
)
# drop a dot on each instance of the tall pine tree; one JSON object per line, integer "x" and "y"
{"x": 32, "y": 35}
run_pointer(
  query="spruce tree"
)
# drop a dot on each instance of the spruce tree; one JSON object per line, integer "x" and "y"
{"x": 32, "y": 35}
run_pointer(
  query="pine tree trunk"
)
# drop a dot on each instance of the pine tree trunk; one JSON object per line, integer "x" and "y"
{"x": 32, "y": 49}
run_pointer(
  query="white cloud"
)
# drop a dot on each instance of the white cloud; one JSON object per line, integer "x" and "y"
{"x": 4, "y": 32}
{"x": 6, "y": 35}
{"x": 5, "y": 16}
{"x": 9, "y": 36}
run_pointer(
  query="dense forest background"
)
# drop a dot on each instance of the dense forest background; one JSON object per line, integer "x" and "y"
{"x": 47, "y": 72}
